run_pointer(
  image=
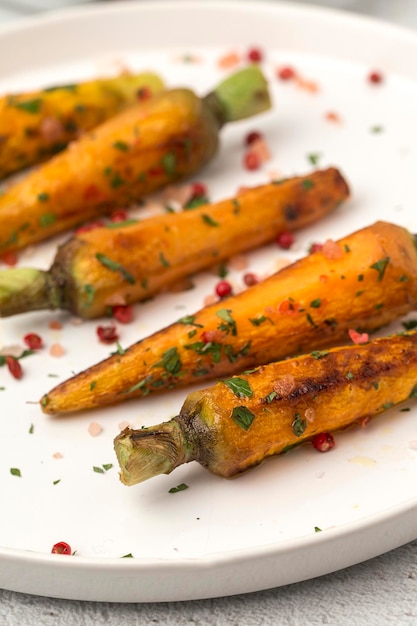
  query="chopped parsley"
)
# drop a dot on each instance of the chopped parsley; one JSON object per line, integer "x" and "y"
{"x": 239, "y": 386}
{"x": 243, "y": 417}
{"x": 180, "y": 487}
{"x": 209, "y": 220}
{"x": 229, "y": 325}
{"x": 170, "y": 362}
{"x": 47, "y": 219}
{"x": 299, "y": 425}
{"x": 169, "y": 163}
{"x": 114, "y": 266}
{"x": 380, "y": 266}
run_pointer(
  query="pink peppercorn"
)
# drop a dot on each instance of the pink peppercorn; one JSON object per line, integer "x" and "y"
{"x": 253, "y": 136}
{"x": 255, "y": 55}
{"x": 285, "y": 240}
{"x": 223, "y": 289}
{"x": 250, "y": 279}
{"x": 375, "y": 77}
{"x": 323, "y": 442}
{"x": 251, "y": 161}
{"x": 286, "y": 73}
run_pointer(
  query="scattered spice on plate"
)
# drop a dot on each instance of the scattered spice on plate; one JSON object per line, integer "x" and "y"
{"x": 223, "y": 289}
{"x": 94, "y": 429}
{"x": 255, "y": 55}
{"x": 323, "y": 442}
{"x": 56, "y": 350}
{"x": 33, "y": 341}
{"x": 375, "y": 77}
{"x": 286, "y": 72}
{"x": 332, "y": 116}
{"x": 62, "y": 547}
{"x": 55, "y": 325}
{"x": 238, "y": 262}
{"x": 14, "y": 367}
{"x": 285, "y": 240}
{"x": 107, "y": 334}
{"x": 229, "y": 60}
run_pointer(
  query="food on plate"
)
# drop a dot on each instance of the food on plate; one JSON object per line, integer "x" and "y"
{"x": 35, "y": 125}
{"x": 146, "y": 146}
{"x": 121, "y": 264}
{"x": 238, "y": 422}
{"x": 360, "y": 282}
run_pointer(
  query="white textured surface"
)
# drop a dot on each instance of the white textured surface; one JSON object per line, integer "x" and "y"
{"x": 381, "y": 591}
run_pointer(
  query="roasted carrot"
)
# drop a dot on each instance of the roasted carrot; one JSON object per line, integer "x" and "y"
{"x": 360, "y": 282}
{"x": 133, "y": 262}
{"x": 160, "y": 140}
{"x": 237, "y": 423}
{"x": 37, "y": 124}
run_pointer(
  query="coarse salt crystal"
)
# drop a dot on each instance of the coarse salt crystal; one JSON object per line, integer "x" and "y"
{"x": 412, "y": 444}
{"x": 57, "y": 455}
{"x": 123, "y": 425}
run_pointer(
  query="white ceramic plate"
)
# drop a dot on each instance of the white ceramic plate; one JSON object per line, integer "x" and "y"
{"x": 218, "y": 537}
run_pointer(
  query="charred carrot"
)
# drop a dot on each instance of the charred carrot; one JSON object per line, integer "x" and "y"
{"x": 360, "y": 282}
{"x": 240, "y": 421}
{"x": 133, "y": 262}
{"x": 37, "y": 124}
{"x": 143, "y": 148}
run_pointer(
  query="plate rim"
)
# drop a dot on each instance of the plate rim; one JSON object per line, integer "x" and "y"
{"x": 382, "y": 521}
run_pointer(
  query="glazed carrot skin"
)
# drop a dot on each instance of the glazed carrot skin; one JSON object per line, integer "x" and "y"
{"x": 237, "y": 423}
{"x": 148, "y": 145}
{"x": 130, "y": 263}
{"x": 36, "y": 125}
{"x": 362, "y": 282}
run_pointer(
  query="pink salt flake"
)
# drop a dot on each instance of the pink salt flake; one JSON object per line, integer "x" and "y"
{"x": 123, "y": 425}
{"x": 55, "y": 325}
{"x": 94, "y": 429}
{"x": 358, "y": 337}
{"x": 284, "y": 385}
{"x": 14, "y": 350}
{"x": 412, "y": 444}
{"x": 76, "y": 321}
{"x": 116, "y": 299}
{"x": 229, "y": 60}
{"x": 307, "y": 85}
{"x": 58, "y": 455}
{"x": 56, "y": 350}
{"x": 238, "y": 262}
{"x": 210, "y": 299}
{"x": 179, "y": 194}
{"x": 310, "y": 415}
{"x": 52, "y": 129}
{"x": 331, "y": 250}
{"x": 242, "y": 189}
{"x": 332, "y": 116}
